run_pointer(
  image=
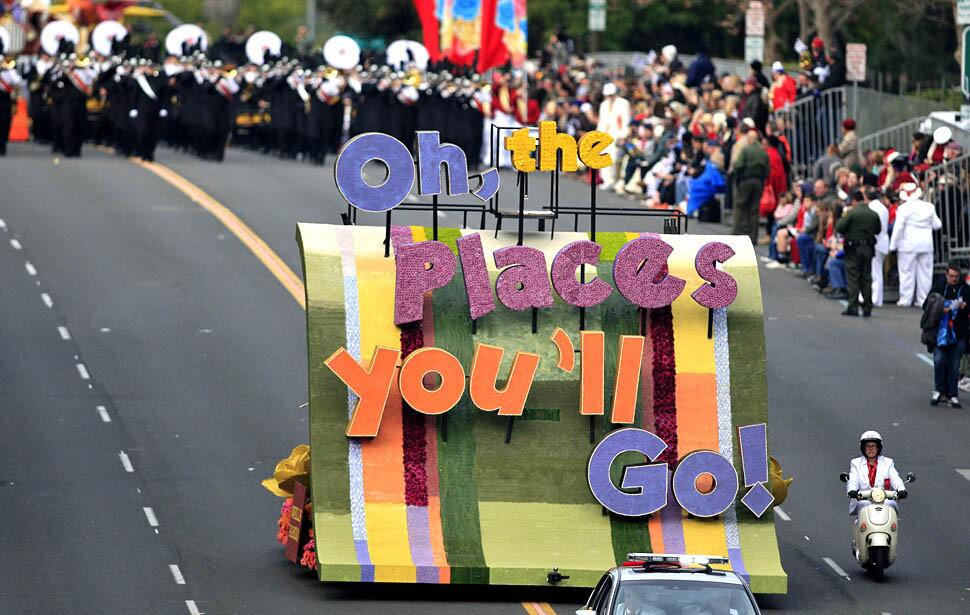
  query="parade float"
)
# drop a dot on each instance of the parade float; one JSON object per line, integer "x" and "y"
{"x": 524, "y": 408}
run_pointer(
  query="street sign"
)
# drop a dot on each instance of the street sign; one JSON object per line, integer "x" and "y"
{"x": 754, "y": 48}
{"x": 855, "y": 62}
{"x": 965, "y": 64}
{"x": 754, "y": 19}
{"x": 597, "y": 15}
{"x": 963, "y": 12}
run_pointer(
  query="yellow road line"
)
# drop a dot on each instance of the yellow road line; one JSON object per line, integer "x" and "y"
{"x": 290, "y": 281}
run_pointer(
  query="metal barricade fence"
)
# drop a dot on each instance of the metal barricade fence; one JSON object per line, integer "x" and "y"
{"x": 811, "y": 125}
{"x": 899, "y": 136}
{"x": 874, "y": 110}
{"x": 947, "y": 186}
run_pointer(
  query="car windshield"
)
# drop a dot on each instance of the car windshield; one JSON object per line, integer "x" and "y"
{"x": 687, "y": 597}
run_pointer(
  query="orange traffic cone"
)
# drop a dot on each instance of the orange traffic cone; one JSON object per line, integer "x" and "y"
{"x": 20, "y": 125}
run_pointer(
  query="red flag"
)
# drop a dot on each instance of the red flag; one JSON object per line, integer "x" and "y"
{"x": 504, "y": 33}
{"x": 429, "y": 27}
{"x": 493, "y": 51}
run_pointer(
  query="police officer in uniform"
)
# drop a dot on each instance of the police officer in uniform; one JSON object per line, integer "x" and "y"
{"x": 859, "y": 226}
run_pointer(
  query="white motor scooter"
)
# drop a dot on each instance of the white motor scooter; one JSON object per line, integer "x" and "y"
{"x": 876, "y": 529}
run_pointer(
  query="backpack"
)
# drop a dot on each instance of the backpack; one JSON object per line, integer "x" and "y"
{"x": 929, "y": 322}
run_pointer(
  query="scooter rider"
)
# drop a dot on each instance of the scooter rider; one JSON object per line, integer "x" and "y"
{"x": 872, "y": 470}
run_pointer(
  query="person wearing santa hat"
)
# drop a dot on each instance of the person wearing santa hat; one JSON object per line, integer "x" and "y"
{"x": 912, "y": 240}
{"x": 895, "y": 173}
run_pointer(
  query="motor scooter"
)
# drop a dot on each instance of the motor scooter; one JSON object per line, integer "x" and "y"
{"x": 875, "y": 530}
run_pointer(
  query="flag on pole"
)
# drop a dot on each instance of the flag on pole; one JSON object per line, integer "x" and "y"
{"x": 493, "y": 31}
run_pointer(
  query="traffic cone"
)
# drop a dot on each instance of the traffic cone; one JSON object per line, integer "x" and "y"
{"x": 20, "y": 124}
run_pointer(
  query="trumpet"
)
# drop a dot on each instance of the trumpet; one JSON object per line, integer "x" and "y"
{"x": 413, "y": 78}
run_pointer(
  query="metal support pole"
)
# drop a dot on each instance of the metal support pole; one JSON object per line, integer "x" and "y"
{"x": 311, "y": 19}
{"x": 434, "y": 215}
{"x": 387, "y": 234}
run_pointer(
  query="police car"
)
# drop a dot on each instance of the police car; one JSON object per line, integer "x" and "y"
{"x": 665, "y": 584}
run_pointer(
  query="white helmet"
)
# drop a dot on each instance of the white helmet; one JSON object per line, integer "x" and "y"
{"x": 870, "y": 436}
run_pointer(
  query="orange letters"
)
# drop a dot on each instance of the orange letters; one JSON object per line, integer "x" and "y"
{"x": 591, "y": 374}
{"x": 432, "y": 401}
{"x": 372, "y": 386}
{"x": 511, "y": 400}
{"x": 627, "y": 378}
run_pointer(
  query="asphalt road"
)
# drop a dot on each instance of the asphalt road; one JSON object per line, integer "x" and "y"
{"x": 192, "y": 371}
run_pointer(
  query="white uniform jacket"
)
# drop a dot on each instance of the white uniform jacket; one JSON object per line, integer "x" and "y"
{"x": 886, "y": 478}
{"x": 882, "y": 239}
{"x": 915, "y": 222}
{"x": 614, "y": 118}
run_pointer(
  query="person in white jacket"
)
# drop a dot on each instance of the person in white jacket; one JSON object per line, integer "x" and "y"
{"x": 882, "y": 249}
{"x": 614, "y": 120}
{"x": 872, "y": 470}
{"x": 912, "y": 239}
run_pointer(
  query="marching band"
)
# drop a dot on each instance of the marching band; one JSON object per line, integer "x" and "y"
{"x": 292, "y": 108}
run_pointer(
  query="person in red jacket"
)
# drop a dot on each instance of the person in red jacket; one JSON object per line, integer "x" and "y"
{"x": 777, "y": 177}
{"x": 895, "y": 173}
{"x": 777, "y": 180}
{"x": 782, "y": 88}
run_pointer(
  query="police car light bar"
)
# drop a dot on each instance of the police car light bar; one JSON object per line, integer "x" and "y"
{"x": 678, "y": 559}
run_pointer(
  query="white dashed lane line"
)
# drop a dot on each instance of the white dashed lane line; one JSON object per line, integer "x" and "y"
{"x": 965, "y": 473}
{"x": 125, "y": 461}
{"x": 782, "y": 514}
{"x": 150, "y": 515}
{"x": 177, "y": 574}
{"x": 925, "y": 359}
{"x": 3, "y": 225}
{"x": 838, "y": 570}
{"x": 105, "y": 417}
{"x": 82, "y": 371}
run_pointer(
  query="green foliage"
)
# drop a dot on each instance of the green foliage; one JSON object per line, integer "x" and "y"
{"x": 916, "y": 38}
{"x": 636, "y": 26}
{"x": 280, "y": 16}
{"x": 389, "y": 19}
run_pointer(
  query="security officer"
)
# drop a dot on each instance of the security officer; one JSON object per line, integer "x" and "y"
{"x": 859, "y": 226}
{"x": 750, "y": 170}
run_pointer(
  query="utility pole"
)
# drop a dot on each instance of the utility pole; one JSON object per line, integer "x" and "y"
{"x": 596, "y": 22}
{"x": 311, "y": 20}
